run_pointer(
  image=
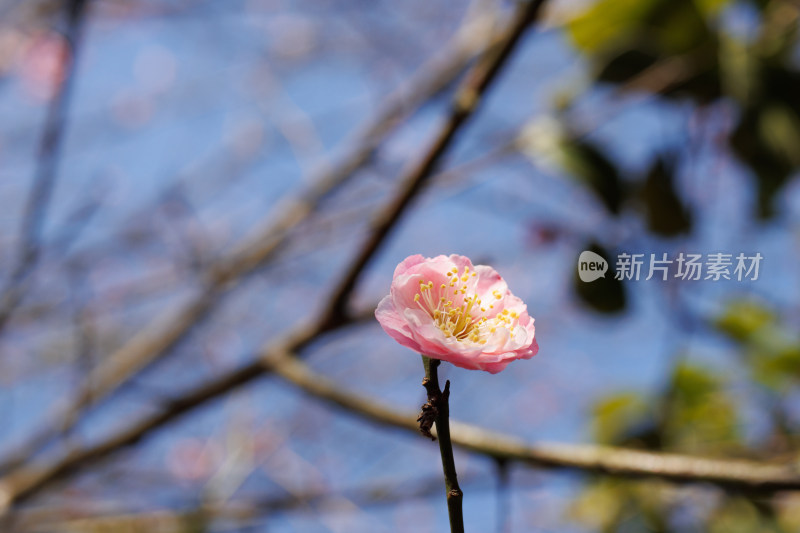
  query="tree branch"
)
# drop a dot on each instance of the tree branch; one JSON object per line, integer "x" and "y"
{"x": 48, "y": 157}
{"x": 439, "y": 407}
{"x": 173, "y": 325}
{"x": 464, "y": 105}
{"x": 243, "y": 509}
{"x": 25, "y": 481}
{"x": 608, "y": 460}
{"x": 740, "y": 475}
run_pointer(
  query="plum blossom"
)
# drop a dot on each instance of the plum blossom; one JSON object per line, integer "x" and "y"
{"x": 446, "y": 308}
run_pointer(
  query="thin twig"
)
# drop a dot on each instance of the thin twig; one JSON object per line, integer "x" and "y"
{"x": 466, "y": 102}
{"x": 173, "y": 325}
{"x": 739, "y": 475}
{"x": 245, "y": 509}
{"x": 47, "y": 159}
{"x": 503, "y": 495}
{"x": 439, "y": 401}
{"x": 734, "y": 474}
{"x": 27, "y": 480}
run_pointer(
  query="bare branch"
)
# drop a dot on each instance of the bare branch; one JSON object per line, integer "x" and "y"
{"x": 439, "y": 405}
{"x": 243, "y": 510}
{"x": 47, "y": 160}
{"x": 609, "y": 460}
{"x": 27, "y": 480}
{"x": 168, "y": 329}
{"x": 741, "y": 475}
{"x": 465, "y": 103}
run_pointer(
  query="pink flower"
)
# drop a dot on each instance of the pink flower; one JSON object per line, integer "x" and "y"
{"x": 448, "y": 309}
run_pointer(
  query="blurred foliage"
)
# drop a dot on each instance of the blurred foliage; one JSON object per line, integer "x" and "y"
{"x": 614, "y": 506}
{"x": 611, "y": 505}
{"x": 664, "y": 211}
{"x": 552, "y": 142}
{"x": 681, "y": 51}
{"x": 678, "y": 49}
{"x": 606, "y": 294}
{"x": 674, "y": 52}
{"x": 677, "y": 25}
{"x": 737, "y": 515}
{"x": 596, "y": 171}
{"x": 771, "y": 351}
{"x": 627, "y": 38}
{"x": 699, "y": 415}
{"x": 622, "y": 417}
{"x": 695, "y": 414}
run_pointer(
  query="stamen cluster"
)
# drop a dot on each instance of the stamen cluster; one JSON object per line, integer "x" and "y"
{"x": 448, "y": 309}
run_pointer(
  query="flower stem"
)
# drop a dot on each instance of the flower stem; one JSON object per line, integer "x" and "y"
{"x": 439, "y": 400}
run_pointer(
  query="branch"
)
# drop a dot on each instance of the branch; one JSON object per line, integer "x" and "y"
{"x": 168, "y": 329}
{"x": 608, "y": 460}
{"x": 25, "y": 481}
{"x": 465, "y": 103}
{"x": 243, "y": 510}
{"x": 748, "y": 476}
{"x": 439, "y": 408}
{"x": 48, "y": 156}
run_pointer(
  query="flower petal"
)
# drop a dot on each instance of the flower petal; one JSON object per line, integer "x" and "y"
{"x": 395, "y": 325}
{"x": 407, "y": 263}
{"x": 420, "y": 313}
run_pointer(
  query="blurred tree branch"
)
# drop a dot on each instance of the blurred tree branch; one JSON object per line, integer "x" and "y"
{"x": 733, "y": 474}
{"x": 242, "y": 510}
{"x": 29, "y": 248}
{"x": 33, "y": 469}
{"x": 27, "y": 480}
{"x": 608, "y": 460}
{"x": 740, "y": 475}
{"x": 168, "y": 329}
{"x": 465, "y": 102}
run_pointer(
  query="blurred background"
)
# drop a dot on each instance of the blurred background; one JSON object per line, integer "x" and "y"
{"x": 185, "y": 182}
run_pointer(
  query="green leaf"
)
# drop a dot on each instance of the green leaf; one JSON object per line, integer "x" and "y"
{"x": 778, "y": 370}
{"x": 617, "y": 416}
{"x": 624, "y": 39}
{"x": 769, "y": 132}
{"x": 739, "y": 70}
{"x": 773, "y": 355}
{"x": 701, "y": 416}
{"x": 671, "y": 26}
{"x": 743, "y": 318}
{"x": 737, "y": 515}
{"x": 625, "y": 65}
{"x": 606, "y": 22}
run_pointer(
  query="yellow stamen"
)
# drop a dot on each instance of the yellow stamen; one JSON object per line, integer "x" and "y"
{"x": 466, "y": 322}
